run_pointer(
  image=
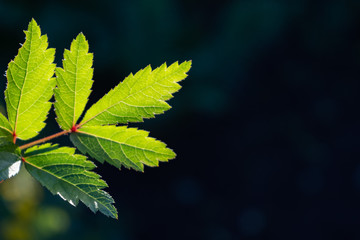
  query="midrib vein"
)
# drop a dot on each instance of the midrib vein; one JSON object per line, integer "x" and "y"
{"x": 74, "y": 185}
{"x": 122, "y": 100}
{"x": 121, "y": 142}
{"x": 76, "y": 78}
{"x": 66, "y": 181}
{"x": 26, "y": 73}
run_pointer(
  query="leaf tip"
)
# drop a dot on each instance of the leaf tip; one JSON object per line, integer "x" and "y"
{"x": 32, "y": 21}
{"x": 187, "y": 65}
{"x": 172, "y": 154}
{"x": 33, "y": 25}
{"x": 81, "y": 37}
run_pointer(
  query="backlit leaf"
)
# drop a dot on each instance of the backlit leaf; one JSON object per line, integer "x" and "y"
{"x": 30, "y": 85}
{"x": 139, "y": 96}
{"x": 5, "y": 130}
{"x": 121, "y": 146}
{"x": 73, "y": 83}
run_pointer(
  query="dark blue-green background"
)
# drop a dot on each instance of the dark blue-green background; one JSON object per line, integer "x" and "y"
{"x": 266, "y": 127}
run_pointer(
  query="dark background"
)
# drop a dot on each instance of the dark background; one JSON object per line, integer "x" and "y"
{"x": 266, "y": 127}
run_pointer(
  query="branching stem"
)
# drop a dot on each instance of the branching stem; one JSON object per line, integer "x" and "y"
{"x": 45, "y": 139}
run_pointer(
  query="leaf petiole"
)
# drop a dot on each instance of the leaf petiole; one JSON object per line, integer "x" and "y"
{"x": 45, "y": 139}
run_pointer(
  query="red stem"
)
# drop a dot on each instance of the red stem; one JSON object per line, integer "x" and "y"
{"x": 14, "y": 137}
{"x": 45, "y": 139}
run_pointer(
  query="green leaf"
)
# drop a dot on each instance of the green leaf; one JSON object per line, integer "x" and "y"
{"x": 73, "y": 83}
{"x": 30, "y": 85}
{"x": 10, "y": 164}
{"x": 10, "y": 161}
{"x": 5, "y": 130}
{"x": 121, "y": 146}
{"x": 139, "y": 96}
{"x": 68, "y": 175}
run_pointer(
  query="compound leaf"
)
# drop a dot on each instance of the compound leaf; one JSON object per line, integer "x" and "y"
{"x": 139, "y": 96}
{"x": 30, "y": 85}
{"x": 73, "y": 83}
{"x": 121, "y": 146}
{"x": 10, "y": 160}
{"x": 68, "y": 175}
{"x": 5, "y": 130}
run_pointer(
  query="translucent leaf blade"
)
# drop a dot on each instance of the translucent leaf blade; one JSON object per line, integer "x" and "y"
{"x": 74, "y": 82}
{"x": 30, "y": 84}
{"x": 5, "y": 130}
{"x": 68, "y": 175}
{"x": 121, "y": 146}
{"x": 139, "y": 96}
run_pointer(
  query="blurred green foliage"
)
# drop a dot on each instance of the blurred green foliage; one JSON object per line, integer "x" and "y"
{"x": 23, "y": 216}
